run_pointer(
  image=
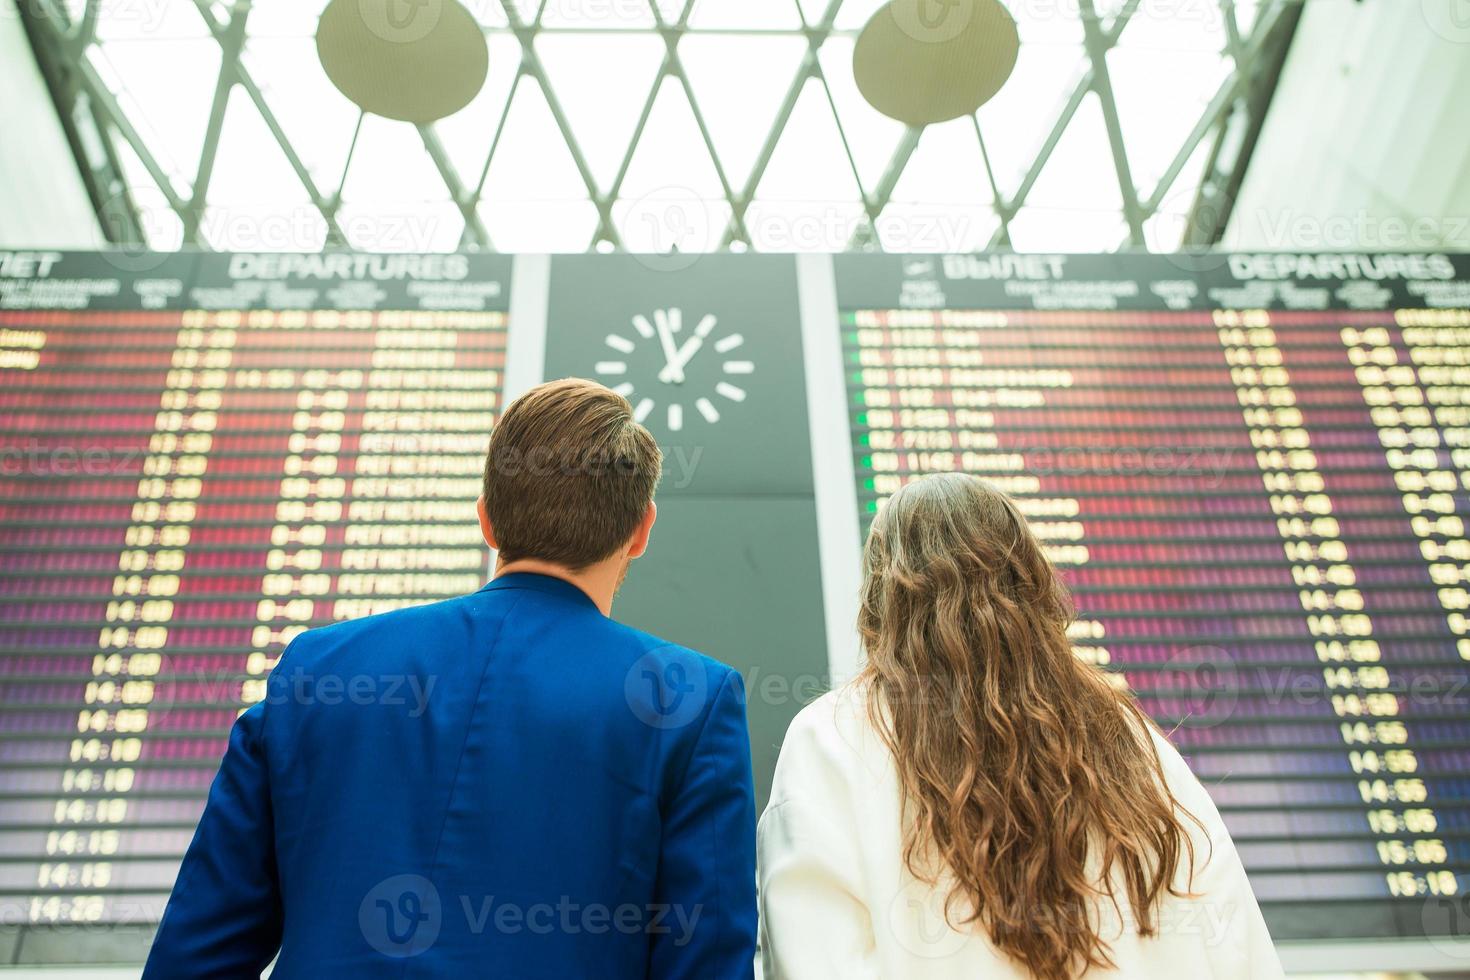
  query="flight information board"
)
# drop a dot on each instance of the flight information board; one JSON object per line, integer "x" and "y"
{"x": 1254, "y": 477}
{"x": 202, "y": 458}
{"x": 1254, "y": 472}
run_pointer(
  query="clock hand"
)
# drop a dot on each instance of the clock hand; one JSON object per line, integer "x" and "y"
{"x": 673, "y": 369}
{"x": 692, "y": 345}
{"x": 690, "y": 348}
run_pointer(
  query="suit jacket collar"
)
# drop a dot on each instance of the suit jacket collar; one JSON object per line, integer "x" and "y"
{"x": 547, "y": 584}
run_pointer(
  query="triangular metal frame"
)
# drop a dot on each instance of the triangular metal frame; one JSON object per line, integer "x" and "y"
{"x": 1254, "y": 54}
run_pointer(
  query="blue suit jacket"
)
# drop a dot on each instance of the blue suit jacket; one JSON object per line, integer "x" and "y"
{"x": 504, "y": 785}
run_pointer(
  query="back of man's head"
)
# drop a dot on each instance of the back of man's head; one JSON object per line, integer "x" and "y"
{"x": 569, "y": 476}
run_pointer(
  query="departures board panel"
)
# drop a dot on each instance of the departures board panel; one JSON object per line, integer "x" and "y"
{"x": 1253, "y": 472}
{"x": 204, "y": 455}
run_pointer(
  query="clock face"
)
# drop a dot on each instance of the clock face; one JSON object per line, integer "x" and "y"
{"x": 682, "y": 372}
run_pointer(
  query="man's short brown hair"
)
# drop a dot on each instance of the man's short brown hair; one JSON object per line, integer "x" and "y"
{"x": 569, "y": 474}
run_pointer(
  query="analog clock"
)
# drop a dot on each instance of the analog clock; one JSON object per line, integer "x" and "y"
{"x": 677, "y": 350}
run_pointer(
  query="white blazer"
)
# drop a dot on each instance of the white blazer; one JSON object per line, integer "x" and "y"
{"x": 837, "y": 900}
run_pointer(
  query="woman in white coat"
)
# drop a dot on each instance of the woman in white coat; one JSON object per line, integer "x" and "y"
{"x": 980, "y": 803}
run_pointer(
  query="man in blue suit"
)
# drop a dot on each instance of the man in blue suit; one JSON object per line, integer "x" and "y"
{"x": 509, "y": 784}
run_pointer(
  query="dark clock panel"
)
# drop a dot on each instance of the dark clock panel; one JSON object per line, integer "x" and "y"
{"x": 738, "y": 396}
{"x": 733, "y": 569}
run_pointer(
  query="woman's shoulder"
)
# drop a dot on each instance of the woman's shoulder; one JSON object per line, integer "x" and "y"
{"x": 831, "y": 738}
{"x": 1181, "y": 780}
{"x": 839, "y": 720}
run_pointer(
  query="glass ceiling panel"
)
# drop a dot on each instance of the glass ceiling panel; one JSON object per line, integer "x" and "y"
{"x": 541, "y": 226}
{"x": 1245, "y": 15}
{"x": 532, "y": 162}
{"x": 156, "y": 22}
{"x": 469, "y": 133}
{"x": 810, "y": 163}
{"x": 593, "y": 15}
{"x": 402, "y": 226}
{"x": 172, "y": 117}
{"x": 390, "y": 163}
{"x": 1164, "y": 232}
{"x": 812, "y": 11}
{"x": 671, "y": 155}
{"x": 740, "y": 116}
{"x": 1038, "y": 229}
{"x": 1169, "y": 25}
{"x": 284, "y": 18}
{"x": 808, "y": 196}
{"x": 163, "y": 229}
{"x": 1157, "y": 118}
{"x": 671, "y": 10}
{"x": 1048, "y": 22}
{"x": 777, "y": 15}
{"x": 1080, "y": 174}
{"x": 252, "y": 172}
{"x": 316, "y": 118}
{"x": 599, "y": 61}
{"x": 947, "y": 166}
{"x": 602, "y": 82}
{"x": 853, "y": 14}
{"x": 526, "y": 10}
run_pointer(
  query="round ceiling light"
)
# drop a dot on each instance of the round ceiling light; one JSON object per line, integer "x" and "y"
{"x": 927, "y": 61}
{"x": 412, "y": 60}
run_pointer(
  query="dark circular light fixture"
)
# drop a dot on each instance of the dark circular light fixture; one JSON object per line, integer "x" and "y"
{"x": 927, "y": 61}
{"x": 412, "y": 60}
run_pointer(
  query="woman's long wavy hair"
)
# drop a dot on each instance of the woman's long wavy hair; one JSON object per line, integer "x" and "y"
{"x": 1026, "y": 775}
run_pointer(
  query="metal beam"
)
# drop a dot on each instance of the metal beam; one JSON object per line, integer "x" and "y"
{"x": 1098, "y": 45}
{"x": 85, "y": 101}
{"x": 231, "y": 44}
{"x": 1271, "y": 39}
{"x": 92, "y": 150}
{"x": 327, "y": 207}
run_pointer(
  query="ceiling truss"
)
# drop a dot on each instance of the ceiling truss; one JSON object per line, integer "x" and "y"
{"x": 98, "y": 125}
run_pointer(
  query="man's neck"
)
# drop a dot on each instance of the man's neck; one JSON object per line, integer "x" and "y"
{"x": 599, "y": 582}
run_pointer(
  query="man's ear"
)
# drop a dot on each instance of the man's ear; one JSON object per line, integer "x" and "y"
{"x": 639, "y": 543}
{"x": 485, "y": 527}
